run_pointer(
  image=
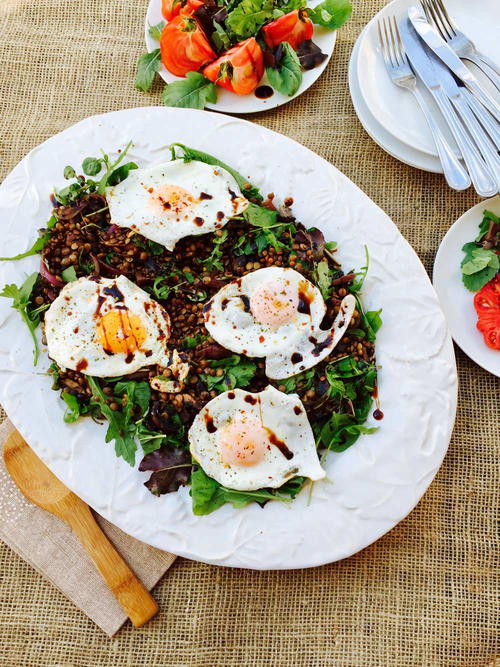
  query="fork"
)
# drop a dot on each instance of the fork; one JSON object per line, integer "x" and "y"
{"x": 464, "y": 47}
{"x": 401, "y": 74}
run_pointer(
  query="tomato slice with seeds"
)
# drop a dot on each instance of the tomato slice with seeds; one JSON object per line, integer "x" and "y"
{"x": 184, "y": 47}
{"x": 239, "y": 69}
{"x": 293, "y": 28}
{"x": 487, "y": 305}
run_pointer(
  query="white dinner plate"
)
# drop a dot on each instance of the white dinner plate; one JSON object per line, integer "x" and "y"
{"x": 456, "y": 300}
{"x": 379, "y": 134}
{"x": 396, "y": 109}
{"x": 230, "y": 102}
{"x": 370, "y": 486}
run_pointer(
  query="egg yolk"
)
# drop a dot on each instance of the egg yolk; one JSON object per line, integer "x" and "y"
{"x": 120, "y": 331}
{"x": 171, "y": 201}
{"x": 243, "y": 442}
{"x": 274, "y": 303}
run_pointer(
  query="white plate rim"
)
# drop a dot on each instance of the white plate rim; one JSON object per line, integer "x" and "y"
{"x": 447, "y": 282}
{"x": 416, "y": 349}
{"x": 228, "y": 102}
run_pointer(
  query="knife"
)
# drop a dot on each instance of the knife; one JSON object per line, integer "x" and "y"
{"x": 435, "y": 42}
{"x": 463, "y": 109}
{"x": 491, "y": 127}
{"x": 418, "y": 54}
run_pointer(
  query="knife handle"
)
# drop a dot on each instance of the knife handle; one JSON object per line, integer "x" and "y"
{"x": 487, "y": 67}
{"x": 492, "y": 128}
{"x": 485, "y": 146}
{"x": 482, "y": 95}
{"x": 483, "y": 180}
{"x": 455, "y": 175}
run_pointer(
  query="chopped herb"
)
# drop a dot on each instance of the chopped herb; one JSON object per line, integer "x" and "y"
{"x": 91, "y": 166}
{"x": 340, "y": 432}
{"x": 188, "y": 154}
{"x": 323, "y": 278}
{"x": 208, "y": 495}
{"x": 220, "y": 38}
{"x": 330, "y": 14}
{"x": 193, "y": 92}
{"x": 69, "y": 274}
{"x": 237, "y": 373}
{"x": 310, "y": 55}
{"x": 69, "y": 172}
{"x": 147, "y": 66}
{"x": 488, "y": 217}
{"x": 214, "y": 261}
{"x": 54, "y": 372}
{"x": 249, "y": 16}
{"x": 122, "y": 429}
{"x": 286, "y": 74}
{"x": 305, "y": 380}
{"x": 479, "y": 266}
{"x": 356, "y": 285}
{"x": 190, "y": 342}
{"x": 156, "y": 30}
{"x": 37, "y": 246}
{"x": 73, "y": 410}
{"x": 259, "y": 216}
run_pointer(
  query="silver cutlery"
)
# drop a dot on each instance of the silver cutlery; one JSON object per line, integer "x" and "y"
{"x": 419, "y": 56}
{"x": 463, "y": 46}
{"x": 491, "y": 127}
{"x": 437, "y": 44}
{"x": 454, "y": 92}
{"x": 402, "y": 75}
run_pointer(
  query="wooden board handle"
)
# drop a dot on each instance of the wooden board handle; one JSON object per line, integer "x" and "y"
{"x": 128, "y": 590}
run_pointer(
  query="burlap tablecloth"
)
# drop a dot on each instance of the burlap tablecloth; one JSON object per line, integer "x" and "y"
{"x": 425, "y": 594}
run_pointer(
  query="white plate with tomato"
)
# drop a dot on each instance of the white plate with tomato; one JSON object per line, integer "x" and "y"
{"x": 467, "y": 281}
{"x": 238, "y": 56}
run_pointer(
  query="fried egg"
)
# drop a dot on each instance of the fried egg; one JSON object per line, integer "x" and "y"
{"x": 169, "y": 201}
{"x": 251, "y": 441}
{"x": 276, "y": 313}
{"x": 107, "y": 327}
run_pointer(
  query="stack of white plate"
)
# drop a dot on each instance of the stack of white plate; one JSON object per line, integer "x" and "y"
{"x": 391, "y": 115}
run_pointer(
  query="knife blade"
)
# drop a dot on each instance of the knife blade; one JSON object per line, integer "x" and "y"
{"x": 420, "y": 58}
{"x": 437, "y": 44}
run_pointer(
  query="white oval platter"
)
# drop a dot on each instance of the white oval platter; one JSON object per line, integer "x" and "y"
{"x": 372, "y": 485}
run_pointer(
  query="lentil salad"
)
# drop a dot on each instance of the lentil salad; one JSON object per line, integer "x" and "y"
{"x": 337, "y": 393}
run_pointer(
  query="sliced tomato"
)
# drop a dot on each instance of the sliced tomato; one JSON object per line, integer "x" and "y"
{"x": 172, "y": 8}
{"x": 487, "y": 305}
{"x": 239, "y": 69}
{"x": 184, "y": 47}
{"x": 293, "y": 28}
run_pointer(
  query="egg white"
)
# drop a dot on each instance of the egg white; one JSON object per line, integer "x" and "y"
{"x": 70, "y": 327}
{"x": 288, "y": 348}
{"x": 137, "y": 203}
{"x": 283, "y": 414}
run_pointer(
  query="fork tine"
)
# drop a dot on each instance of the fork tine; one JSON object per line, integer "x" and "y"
{"x": 394, "y": 38}
{"x": 452, "y": 26}
{"x": 438, "y": 9}
{"x": 390, "y": 41}
{"x": 384, "y": 42}
{"x": 426, "y": 11}
{"x": 433, "y": 18}
{"x": 402, "y": 51}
